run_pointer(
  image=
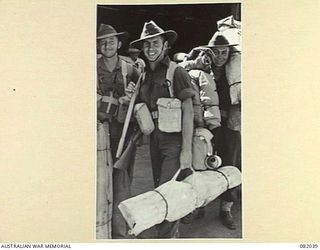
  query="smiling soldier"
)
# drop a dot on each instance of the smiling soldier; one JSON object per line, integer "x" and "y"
{"x": 171, "y": 141}
{"x": 113, "y": 75}
{"x": 227, "y": 138}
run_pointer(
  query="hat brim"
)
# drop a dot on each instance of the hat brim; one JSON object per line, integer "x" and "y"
{"x": 218, "y": 46}
{"x": 170, "y": 35}
{"x": 122, "y": 36}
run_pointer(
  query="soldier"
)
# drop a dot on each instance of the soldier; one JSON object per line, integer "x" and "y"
{"x": 113, "y": 76}
{"x": 205, "y": 105}
{"x": 169, "y": 150}
{"x": 220, "y": 59}
{"x": 227, "y": 138}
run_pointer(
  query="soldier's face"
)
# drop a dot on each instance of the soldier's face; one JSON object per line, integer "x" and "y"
{"x": 220, "y": 56}
{"x": 109, "y": 46}
{"x": 153, "y": 48}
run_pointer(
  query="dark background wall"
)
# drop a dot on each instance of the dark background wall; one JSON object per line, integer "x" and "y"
{"x": 194, "y": 23}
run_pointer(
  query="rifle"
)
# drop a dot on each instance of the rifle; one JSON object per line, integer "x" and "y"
{"x": 124, "y": 160}
{"x": 128, "y": 116}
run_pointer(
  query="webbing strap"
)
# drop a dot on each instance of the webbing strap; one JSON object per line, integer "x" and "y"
{"x": 124, "y": 72}
{"x": 155, "y": 114}
{"x": 111, "y": 100}
{"x": 223, "y": 176}
{"x": 165, "y": 201}
{"x": 234, "y": 83}
{"x": 169, "y": 77}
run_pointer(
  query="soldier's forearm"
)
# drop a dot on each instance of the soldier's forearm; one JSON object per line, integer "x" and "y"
{"x": 187, "y": 124}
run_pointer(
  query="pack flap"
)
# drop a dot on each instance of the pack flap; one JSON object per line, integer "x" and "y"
{"x": 169, "y": 103}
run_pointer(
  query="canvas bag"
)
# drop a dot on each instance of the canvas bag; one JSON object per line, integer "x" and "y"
{"x": 144, "y": 119}
{"x": 169, "y": 109}
{"x": 201, "y": 148}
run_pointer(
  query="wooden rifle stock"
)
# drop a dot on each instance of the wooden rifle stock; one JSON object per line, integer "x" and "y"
{"x": 124, "y": 160}
{"x": 128, "y": 116}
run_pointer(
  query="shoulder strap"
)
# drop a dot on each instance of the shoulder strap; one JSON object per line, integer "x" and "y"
{"x": 169, "y": 77}
{"x": 124, "y": 72}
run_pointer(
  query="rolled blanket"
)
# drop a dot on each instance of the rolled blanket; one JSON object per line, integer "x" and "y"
{"x": 170, "y": 201}
{"x": 211, "y": 183}
{"x": 173, "y": 200}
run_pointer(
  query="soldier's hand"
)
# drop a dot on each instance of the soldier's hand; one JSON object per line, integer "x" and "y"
{"x": 194, "y": 53}
{"x": 130, "y": 89}
{"x": 185, "y": 159}
{"x": 199, "y": 51}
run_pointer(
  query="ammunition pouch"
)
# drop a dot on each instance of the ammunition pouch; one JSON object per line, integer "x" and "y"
{"x": 170, "y": 114}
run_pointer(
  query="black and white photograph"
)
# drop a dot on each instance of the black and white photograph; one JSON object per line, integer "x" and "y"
{"x": 127, "y": 122}
{"x": 168, "y": 121}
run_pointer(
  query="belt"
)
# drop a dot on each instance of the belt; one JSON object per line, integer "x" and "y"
{"x": 110, "y": 100}
{"x": 155, "y": 114}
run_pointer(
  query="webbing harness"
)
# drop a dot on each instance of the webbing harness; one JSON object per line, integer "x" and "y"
{"x": 169, "y": 76}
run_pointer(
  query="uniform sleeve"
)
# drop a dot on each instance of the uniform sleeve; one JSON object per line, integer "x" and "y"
{"x": 99, "y": 91}
{"x": 224, "y": 96}
{"x": 182, "y": 84}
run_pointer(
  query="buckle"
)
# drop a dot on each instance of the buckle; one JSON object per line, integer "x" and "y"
{"x": 155, "y": 114}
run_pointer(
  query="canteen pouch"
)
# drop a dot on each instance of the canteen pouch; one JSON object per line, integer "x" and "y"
{"x": 144, "y": 119}
{"x": 199, "y": 154}
{"x": 201, "y": 148}
{"x": 169, "y": 120}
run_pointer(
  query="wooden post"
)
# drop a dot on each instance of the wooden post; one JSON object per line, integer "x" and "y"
{"x": 104, "y": 183}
